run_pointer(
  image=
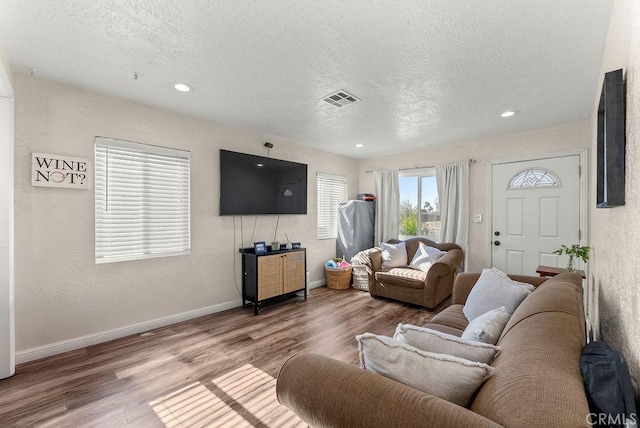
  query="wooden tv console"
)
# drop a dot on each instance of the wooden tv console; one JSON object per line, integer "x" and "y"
{"x": 272, "y": 274}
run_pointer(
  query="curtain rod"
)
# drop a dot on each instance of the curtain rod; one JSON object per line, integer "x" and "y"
{"x": 472, "y": 161}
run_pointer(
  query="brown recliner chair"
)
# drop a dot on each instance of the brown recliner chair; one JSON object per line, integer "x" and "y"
{"x": 405, "y": 284}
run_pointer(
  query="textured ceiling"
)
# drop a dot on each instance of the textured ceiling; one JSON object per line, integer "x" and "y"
{"x": 427, "y": 72}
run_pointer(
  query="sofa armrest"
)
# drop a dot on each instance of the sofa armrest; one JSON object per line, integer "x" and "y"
{"x": 462, "y": 287}
{"x": 465, "y": 281}
{"x": 329, "y": 393}
{"x": 445, "y": 265}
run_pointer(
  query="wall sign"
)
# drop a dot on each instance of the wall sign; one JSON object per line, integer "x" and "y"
{"x": 59, "y": 171}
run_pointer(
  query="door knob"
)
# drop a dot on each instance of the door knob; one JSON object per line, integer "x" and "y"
{"x": 496, "y": 243}
{"x": 496, "y": 233}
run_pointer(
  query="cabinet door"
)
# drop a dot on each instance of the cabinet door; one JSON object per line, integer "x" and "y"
{"x": 269, "y": 276}
{"x": 294, "y": 274}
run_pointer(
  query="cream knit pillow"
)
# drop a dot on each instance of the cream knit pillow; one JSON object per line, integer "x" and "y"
{"x": 450, "y": 378}
{"x": 493, "y": 290}
{"x": 430, "y": 340}
{"x": 488, "y": 327}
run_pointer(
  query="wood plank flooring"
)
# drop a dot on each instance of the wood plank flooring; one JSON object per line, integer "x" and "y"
{"x": 217, "y": 370}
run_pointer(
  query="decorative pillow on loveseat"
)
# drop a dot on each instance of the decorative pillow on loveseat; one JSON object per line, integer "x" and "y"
{"x": 394, "y": 255}
{"x": 430, "y": 340}
{"x": 493, "y": 290}
{"x": 450, "y": 378}
{"x": 425, "y": 256}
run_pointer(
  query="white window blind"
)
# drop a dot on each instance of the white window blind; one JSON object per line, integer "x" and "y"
{"x": 142, "y": 201}
{"x": 331, "y": 189}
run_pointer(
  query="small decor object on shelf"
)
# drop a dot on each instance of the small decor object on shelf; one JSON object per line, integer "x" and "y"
{"x": 573, "y": 251}
{"x": 260, "y": 247}
{"x": 275, "y": 246}
{"x": 338, "y": 273}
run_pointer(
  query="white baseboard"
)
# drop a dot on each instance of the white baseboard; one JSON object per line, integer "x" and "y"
{"x": 105, "y": 336}
{"x": 318, "y": 283}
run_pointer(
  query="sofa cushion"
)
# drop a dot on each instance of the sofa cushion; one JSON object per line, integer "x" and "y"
{"x": 450, "y": 378}
{"x": 538, "y": 377}
{"x": 430, "y": 340}
{"x": 404, "y": 276}
{"x": 493, "y": 290}
{"x": 394, "y": 255}
{"x": 487, "y": 327}
{"x": 451, "y": 317}
{"x": 425, "y": 256}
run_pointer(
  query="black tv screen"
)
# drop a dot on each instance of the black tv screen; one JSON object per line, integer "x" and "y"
{"x": 251, "y": 185}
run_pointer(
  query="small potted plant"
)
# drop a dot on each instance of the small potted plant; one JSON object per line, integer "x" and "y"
{"x": 573, "y": 251}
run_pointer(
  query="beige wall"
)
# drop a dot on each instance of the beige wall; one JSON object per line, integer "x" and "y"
{"x": 554, "y": 139}
{"x": 614, "y": 266}
{"x": 60, "y": 292}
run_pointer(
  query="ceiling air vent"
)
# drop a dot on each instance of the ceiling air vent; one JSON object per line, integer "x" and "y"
{"x": 340, "y": 98}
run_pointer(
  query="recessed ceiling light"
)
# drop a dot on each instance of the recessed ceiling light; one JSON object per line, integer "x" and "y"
{"x": 508, "y": 113}
{"x": 183, "y": 87}
{"x": 259, "y": 165}
{"x": 359, "y": 145}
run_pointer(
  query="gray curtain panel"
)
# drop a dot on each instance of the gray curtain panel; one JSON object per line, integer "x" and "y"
{"x": 387, "y": 190}
{"x": 453, "y": 191}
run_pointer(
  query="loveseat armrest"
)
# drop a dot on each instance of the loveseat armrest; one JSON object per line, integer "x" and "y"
{"x": 375, "y": 257}
{"x": 465, "y": 281}
{"x": 445, "y": 265}
{"x": 329, "y": 393}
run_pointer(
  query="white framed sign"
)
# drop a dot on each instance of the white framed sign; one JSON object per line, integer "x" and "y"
{"x": 59, "y": 171}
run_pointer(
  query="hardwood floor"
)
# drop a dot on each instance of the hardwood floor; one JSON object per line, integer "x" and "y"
{"x": 217, "y": 370}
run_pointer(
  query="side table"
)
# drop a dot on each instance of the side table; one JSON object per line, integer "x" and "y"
{"x": 549, "y": 271}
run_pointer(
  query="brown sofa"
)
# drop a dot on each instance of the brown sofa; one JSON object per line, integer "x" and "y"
{"x": 537, "y": 382}
{"x": 405, "y": 284}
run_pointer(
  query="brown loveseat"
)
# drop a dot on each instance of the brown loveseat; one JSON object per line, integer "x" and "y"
{"x": 409, "y": 285}
{"x": 537, "y": 381}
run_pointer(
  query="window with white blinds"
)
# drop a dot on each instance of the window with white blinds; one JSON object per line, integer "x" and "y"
{"x": 142, "y": 201}
{"x": 331, "y": 189}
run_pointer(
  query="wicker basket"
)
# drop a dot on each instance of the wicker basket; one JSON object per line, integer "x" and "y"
{"x": 338, "y": 278}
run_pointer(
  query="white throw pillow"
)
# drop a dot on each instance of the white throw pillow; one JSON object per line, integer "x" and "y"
{"x": 394, "y": 255}
{"x": 493, "y": 290}
{"x": 430, "y": 340}
{"x": 450, "y": 378}
{"x": 488, "y": 327}
{"x": 425, "y": 256}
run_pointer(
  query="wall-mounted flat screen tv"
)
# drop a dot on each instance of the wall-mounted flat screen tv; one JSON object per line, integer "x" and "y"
{"x": 610, "y": 162}
{"x": 252, "y": 185}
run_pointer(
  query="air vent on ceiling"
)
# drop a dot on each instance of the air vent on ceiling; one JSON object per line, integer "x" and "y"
{"x": 340, "y": 98}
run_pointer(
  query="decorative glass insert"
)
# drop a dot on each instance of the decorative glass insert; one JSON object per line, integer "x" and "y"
{"x": 534, "y": 177}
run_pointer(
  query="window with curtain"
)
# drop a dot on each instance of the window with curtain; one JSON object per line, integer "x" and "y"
{"x": 331, "y": 189}
{"x": 142, "y": 197}
{"x": 419, "y": 205}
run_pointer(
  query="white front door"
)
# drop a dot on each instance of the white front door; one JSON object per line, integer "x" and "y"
{"x": 535, "y": 209}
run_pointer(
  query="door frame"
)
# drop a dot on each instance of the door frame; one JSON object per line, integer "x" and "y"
{"x": 584, "y": 192}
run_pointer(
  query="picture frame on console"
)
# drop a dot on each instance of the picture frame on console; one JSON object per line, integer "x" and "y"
{"x": 260, "y": 247}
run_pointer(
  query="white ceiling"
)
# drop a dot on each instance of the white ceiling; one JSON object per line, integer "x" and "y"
{"x": 427, "y": 72}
